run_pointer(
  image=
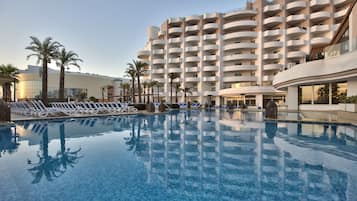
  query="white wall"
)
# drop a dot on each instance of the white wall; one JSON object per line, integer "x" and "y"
{"x": 292, "y": 98}
{"x": 352, "y": 88}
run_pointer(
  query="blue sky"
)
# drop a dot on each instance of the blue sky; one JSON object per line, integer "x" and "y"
{"x": 105, "y": 33}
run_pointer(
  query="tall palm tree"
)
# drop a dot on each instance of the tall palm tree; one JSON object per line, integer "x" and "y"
{"x": 8, "y": 71}
{"x": 145, "y": 84}
{"x": 153, "y": 83}
{"x": 138, "y": 67}
{"x": 132, "y": 74}
{"x": 177, "y": 89}
{"x": 44, "y": 51}
{"x": 65, "y": 60}
{"x": 186, "y": 91}
{"x": 172, "y": 76}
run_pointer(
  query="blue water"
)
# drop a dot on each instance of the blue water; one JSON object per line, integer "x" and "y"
{"x": 208, "y": 155}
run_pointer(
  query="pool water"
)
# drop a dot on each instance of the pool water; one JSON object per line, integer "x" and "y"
{"x": 187, "y": 155}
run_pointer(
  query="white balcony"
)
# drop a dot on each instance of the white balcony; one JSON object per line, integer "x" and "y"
{"x": 339, "y": 2}
{"x": 268, "y": 78}
{"x": 241, "y": 34}
{"x": 320, "y": 28}
{"x": 296, "y": 5}
{"x": 192, "y": 49}
{"x": 320, "y": 41}
{"x": 143, "y": 53}
{"x": 240, "y": 57}
{"x": 175, "y": 20}
{"x": 174, "y": 60}
{"x": 237, "y": 46}
{"x": 239, "y": 79}
{"x": 210, "y": 68}
{"x": 174, "y": 70}
{"x": 177, "y": 80}
{"x": 295, "y": 31}
{"x": 240, "y": 13}
{"x": 161, "y": 33}
{"x": 158, "y": 71}
{"x": 240, "y": 68}
{"x": 340, "y": 14}
{"x": 191, "y": 69}
{"x": 210, "y": 58}
{"x": 192, "y": 59}
{"x": 321, "y": 15}
{"x": 209, "y": 78}
{"x": 208, "y": 37}
{"x": 319, "y": 3}
{"x": 296, "y": 54}
{"x": 210, "y": 26}
{"x": 273, "y": 44}
{"x": 210, "y": 47}
{"x": 193, "y": 18}
{"x": 272, "y": 8}
{"x": 158, "y": 61}
{"x": 242, "y": 24}
{"x": 271, "y": 33}
{"x": 158, "y": 42}
{"x": 295, "y": 18}
{"x": 192, "y": 79}
{"x": 268, "y": 67}
{"x": 193, "y": 28}
{"x": 269, "y": 56}
{"x": 174, "y": 40}
{"x": 175, "y": 50}
{"x": 207, "y": 16}
{"x": 175, "y": 30}
{"x": 292, "y": 43}
{"x": 192, "y": 39}
{"x": 158, "y": 52}
{"x": 273, "y": 20}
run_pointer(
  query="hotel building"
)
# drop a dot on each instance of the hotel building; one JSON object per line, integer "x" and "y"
{"x": 234, "y": 56}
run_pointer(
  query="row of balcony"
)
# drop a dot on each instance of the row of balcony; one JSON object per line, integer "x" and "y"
{"x": 232, "y": 68}
{"x": 300, "y": 4}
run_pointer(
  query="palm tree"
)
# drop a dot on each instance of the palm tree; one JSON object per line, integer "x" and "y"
{"x": 65, "y": 60}
{"x": 138, "y": 67}
{"x": 153, "y": 83}
{"x": 8, "y": 71}
{"x": 44, "y": 51}
{"x": 177, "y": 89}
{"x": 145, "y": 84}
{"x": 132, "y": 74}
{"x": 186, "y": 91}
{"x": 172, "y": 76}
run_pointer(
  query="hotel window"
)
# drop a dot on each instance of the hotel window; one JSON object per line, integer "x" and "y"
{"x": 305, "y": 95}
{"x": 339, "y": 92}
{"x": 321, "y": 94}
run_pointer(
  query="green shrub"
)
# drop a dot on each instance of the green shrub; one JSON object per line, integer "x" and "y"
{"x": 349, "y": 99}
{"x": 93, "y": 99}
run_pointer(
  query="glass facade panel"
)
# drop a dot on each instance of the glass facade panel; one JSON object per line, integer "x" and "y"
{"x": 321, "y": 94}
{"x": 305, "y": 95}
{"x": 339, "y": 92}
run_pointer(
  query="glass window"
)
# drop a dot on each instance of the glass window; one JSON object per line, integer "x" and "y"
{"x": 339, "y": 92}
{"x": 321, "y": 94}
{"x": 305, "y": 94}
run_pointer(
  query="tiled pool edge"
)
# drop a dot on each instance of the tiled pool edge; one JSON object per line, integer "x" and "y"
{"x": 311, "y": 122}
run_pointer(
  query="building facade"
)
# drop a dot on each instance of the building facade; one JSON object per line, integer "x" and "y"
{"x": 77, "y": 85}
{"x": 325, "y": 83}
{"x": 233, "y": 57}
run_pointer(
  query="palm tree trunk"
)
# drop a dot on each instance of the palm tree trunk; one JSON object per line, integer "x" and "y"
{"x": 152, "y": 94}
{"x": 176, "y": 96}
{"x": 61, "y": 85}
{"x": 144, "y": 95}
{"x": 185, "y": 96}
{"x": 158, "y": 94}
{"x": 171, "y": 81}
{"x": 148, "y": 98}
{"x": 44, "y": 82}
{"x": 133, "y": 90}
{"x": 139, "y": 88}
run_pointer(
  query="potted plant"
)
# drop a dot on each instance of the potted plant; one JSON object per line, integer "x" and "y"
{"x": 349, "y": 104}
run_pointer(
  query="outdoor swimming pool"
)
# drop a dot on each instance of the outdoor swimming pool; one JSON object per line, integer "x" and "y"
{"x": 187, "y": 155}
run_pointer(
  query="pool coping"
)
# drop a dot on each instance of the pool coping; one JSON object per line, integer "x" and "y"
{"x": 311, "y": 122}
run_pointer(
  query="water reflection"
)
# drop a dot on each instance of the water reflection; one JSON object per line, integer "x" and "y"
{"x": 210, "y": 156}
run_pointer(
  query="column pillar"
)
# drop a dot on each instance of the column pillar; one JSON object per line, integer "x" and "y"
{"x": 292, "y": 98}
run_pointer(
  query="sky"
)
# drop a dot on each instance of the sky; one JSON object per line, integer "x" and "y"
{"x": 105, "y": 33}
